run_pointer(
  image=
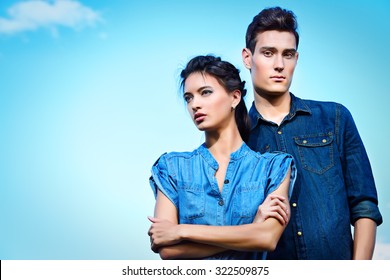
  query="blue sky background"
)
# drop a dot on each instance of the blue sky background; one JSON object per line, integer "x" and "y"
{"x": 89, "y": 100}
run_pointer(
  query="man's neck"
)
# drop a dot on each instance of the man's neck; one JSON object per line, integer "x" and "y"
{"x": 273, "y": 108}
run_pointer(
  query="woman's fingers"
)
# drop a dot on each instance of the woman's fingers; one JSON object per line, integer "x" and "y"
{"x": 273, "y": 206}
{"x": 276, "y": 196}
{"x": 281, "y": 213}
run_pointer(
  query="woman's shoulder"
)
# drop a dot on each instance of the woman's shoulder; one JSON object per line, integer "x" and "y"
{"x": 184, "y": 154}
{"x": 174, "y": 155}
{"x": 247, "y": 151}
{"x": 272, "y": 159}
{"x": 271, "y": 155}
{"x": 275, "y": 155}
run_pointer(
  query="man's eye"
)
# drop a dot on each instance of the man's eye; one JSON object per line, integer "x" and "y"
{"x": 289, "y": 55}
{"x": 267, "y": 53}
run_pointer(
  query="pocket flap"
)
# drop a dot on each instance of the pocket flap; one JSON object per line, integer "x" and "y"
{"x": 314, "y": 140}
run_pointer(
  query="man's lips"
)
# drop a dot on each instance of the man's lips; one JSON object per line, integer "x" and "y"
{"x": 278, "y": 78}
{"x": 198, "y": 117}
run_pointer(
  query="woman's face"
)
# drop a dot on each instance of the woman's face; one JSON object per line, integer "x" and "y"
{"x": 209, "y": 104}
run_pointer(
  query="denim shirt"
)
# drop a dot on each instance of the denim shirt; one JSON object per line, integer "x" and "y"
{"x": 188, "y": 180}
{"x": 334, "y": 185}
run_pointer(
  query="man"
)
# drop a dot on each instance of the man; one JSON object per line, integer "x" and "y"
{"x": 335, "y": 186}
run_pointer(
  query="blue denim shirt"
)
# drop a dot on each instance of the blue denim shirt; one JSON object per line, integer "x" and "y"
{"x": 334, "y": 185}
{"x": 188, "y": 180}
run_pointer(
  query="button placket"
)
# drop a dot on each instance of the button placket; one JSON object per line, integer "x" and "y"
{"x": 281, "y": 140}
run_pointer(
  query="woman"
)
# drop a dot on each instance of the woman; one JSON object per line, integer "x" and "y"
{"x": 207, "y": 200}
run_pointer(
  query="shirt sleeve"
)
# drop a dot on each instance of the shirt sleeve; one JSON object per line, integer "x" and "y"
{"x": 162, "y": 180}
{"x": 359, "y": 179}
{"x": 277, "y": 170}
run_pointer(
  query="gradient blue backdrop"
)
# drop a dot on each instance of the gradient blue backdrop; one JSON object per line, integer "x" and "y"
{"x": 89, "y": 100}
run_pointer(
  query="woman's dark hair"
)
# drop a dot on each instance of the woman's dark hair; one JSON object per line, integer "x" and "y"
{"x": 229, "y": 77}
{"x": 268, "y": 19}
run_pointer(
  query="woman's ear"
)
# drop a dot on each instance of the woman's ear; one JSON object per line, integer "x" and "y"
{"x": 246, "y": 58}
{"x": 236, "y": 98}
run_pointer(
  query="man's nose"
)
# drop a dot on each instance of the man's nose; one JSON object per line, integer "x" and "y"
{"x": 279, "y": 63}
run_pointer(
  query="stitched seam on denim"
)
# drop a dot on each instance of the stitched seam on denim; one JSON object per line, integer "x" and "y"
{"x": 337, "y": 124}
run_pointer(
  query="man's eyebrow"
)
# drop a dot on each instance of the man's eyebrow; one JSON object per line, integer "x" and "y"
{"x": 266, "y": 48}
{"x": 290, "y": 50}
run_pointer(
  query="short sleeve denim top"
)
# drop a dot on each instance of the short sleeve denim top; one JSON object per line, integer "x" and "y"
{"x": 188, "y": 180}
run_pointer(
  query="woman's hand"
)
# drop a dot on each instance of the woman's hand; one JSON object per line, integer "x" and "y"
{"x": 273, "y": 206}
{"x": 162, "y": 233}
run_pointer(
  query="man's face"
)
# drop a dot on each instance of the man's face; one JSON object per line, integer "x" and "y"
{"x": 272, "y": 63}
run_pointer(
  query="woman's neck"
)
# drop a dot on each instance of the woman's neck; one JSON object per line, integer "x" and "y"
{"x": 222, "y": 144}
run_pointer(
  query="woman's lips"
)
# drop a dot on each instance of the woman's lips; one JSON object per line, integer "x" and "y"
{"x": 198, "y": 117}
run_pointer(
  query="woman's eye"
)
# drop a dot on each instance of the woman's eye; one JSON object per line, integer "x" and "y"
{"x": 187, "y": 98}
{"x": 206, "y": 92}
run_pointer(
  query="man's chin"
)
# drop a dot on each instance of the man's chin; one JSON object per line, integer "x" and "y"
{"x": 271, "y": 93}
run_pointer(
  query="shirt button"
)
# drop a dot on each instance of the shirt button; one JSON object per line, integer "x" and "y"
{"x": 299, "y": 233}
{"x": 323, "y": 140}
{"x": 294, "y": 205}
{"x": 279, "y": 132}
{"x": 226, "y": 181}
{"x": 220, "y": 202}
{"x": 304, "y": 141}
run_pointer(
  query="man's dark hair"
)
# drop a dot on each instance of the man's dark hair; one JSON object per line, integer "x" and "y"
{"x": 268, "y": 19}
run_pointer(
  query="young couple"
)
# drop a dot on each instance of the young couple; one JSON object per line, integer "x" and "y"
{"x": 288, "y": 179}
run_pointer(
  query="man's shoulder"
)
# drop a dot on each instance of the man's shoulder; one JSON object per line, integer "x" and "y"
{"x": 312, "y": 102}
{"x": 321, "y": 104}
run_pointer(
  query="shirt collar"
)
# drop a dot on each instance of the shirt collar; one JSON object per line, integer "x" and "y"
{"x": 297, "y": 105}
{"x": 208, "y": 157}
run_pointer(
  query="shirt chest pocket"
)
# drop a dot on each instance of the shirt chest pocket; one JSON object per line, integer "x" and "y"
{"x": 192, "y": 201}
{"x": 247, "y": 198}
{"x": 316, "y": 152}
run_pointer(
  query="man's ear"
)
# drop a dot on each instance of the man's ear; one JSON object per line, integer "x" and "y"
{"x": 246, "y": 58}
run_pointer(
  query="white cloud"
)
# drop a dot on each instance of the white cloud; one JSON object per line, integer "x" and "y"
{"x": 382, "y": 251}
{"x": 35, "y": 14}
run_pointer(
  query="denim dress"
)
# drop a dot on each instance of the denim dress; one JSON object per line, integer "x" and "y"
{"x": 188, "y": 180}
